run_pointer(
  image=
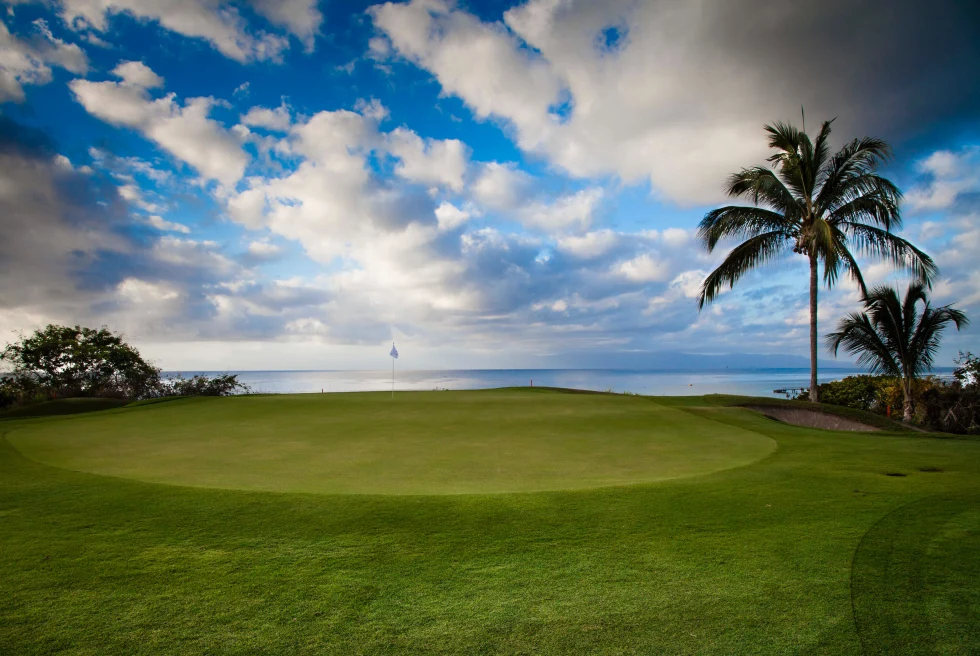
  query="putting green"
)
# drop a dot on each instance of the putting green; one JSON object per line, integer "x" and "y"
{"x": 418, "y": 443}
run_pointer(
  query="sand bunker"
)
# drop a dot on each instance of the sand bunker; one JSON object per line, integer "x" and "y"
{"x": 810, "y": 418}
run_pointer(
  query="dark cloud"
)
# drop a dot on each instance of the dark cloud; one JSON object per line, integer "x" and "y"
{"x": 895, "y": 68}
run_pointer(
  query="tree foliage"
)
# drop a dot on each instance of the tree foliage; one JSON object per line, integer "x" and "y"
{"x": 74, "y": 361}
{"x": 954, "y": 407}
{"x": 893, "y": 337}
{"x": 826, "y": 207}
{"x": 813, "y": 203}
{"x": 69, "y": 361}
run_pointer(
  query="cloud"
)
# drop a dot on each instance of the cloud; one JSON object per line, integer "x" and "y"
{"x": 572, "y": 212}
{"x": 216, "y": 21}
{"x": 185, "y": 132}
{"x": 451, "y": 217}
{"x": 160, "y": 223}
{"x": 429, "y": 161}
{"x": 501, "y": 186}
{"x": 300, "y": 17}
{"x": 482, "y": 63}
{"x": 137, "y": 74}
{"x": 590, "y": 245}
{"x": 331, "y": 199}
{"x": 643, "y": 268}
{"x": 262, "y": 251}
{"x": 277, "y": 120}
{"x": 949, "y": 176}
{"x": 29, "y": 62}
{"x": 680, "y": 97}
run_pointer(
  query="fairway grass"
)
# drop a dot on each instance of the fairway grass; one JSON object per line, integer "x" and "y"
{"x": 835, "y": 543}
{"x": 417, "y": 443}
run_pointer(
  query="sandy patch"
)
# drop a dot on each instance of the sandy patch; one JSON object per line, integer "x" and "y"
{"x": 810, "y": 418}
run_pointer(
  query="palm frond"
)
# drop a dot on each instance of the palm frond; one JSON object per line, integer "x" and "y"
{"x": 888, "y": 316}
{"x": 821, "y": 147}
{"x": 928, "y": 332}
{"x": 784, "y": 137}
{"x": 867, "y": 199}
{"x": 857, "y": 158}
{"x": 754, "y": 252}
{"x": 823, "y": 240}
{"x": 846, "y": 262}
{"x": 856, "y": 333}
{"x": 740, "y": 221}
{"x": 762, "y": 187}
{"x": 887, "y": 246}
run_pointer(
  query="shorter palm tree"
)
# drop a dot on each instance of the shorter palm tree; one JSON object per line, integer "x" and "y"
{"x": 892, "y": 337}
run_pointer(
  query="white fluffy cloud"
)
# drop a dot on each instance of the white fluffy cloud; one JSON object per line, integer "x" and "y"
{"x": 429, "y": 161}
{"x": 572, "y": 212}
{"x": 217, "y": 21}
{"x": 137, "y": 74}
{"x": 483, "y": 64}
{"x": 501, "y": 186}
{"x": 186, "y": 132}
{"x": 643, "y": 268}
{"x": 451, "y": 217}
{"x": 277, "y": 119}
{"x": 950, "y": 174}
{"x": 300, "y": 17}
{"x": 29, "y": 62}
{"x": 642, "y": 90}
{"x": 161, "y": 223}
{"x": 590, "y": 245}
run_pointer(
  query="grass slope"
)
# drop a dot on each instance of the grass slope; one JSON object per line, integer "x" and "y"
{"x": 815, "y": 549}
{"x": 63, "y": 407}
{"x": 418, "y": 443}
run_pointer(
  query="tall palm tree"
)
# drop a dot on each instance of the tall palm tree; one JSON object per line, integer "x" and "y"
{"x": 892, "y": 337}
{"x": 824, "y": 207}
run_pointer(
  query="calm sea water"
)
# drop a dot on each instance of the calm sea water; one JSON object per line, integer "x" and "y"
{"x": 754, "y": 382}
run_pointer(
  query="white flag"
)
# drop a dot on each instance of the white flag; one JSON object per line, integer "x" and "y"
{"x": 394, "y": 351}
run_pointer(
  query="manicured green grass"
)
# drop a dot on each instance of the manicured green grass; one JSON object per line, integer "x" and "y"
{"x": 416, "y": 443}
{"x": 62, "y": 407}
{"x": 813, "y": 549}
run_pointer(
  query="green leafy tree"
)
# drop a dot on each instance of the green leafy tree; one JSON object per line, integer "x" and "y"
{"x": 825, "y": 207}
{"x": 61, "y": 361}
{"x": 967, "y": 372}
{"x": 894, "y": 337}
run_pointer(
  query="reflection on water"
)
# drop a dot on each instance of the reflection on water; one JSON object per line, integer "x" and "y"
{"x": 755, "y": 382}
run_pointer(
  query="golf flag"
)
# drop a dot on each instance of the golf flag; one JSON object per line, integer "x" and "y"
{"x": 394, "y": 351}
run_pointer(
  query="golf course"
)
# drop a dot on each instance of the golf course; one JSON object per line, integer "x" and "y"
{"x": 512, "y": 521}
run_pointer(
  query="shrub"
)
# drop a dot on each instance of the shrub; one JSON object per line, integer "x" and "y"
{"x": 869, "y": 393}
{"x": 74, "y": 361}
{"x": 62, "y": 361}
{"x": 223, "y": 385}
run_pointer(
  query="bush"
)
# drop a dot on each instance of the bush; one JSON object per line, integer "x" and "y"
{"x": 880, "y": 394}
{"x": 223, "y": 385}
{"x": 954, "y": 407}
{"x": 870, "y": 393}
{"x": 74, "y": 361}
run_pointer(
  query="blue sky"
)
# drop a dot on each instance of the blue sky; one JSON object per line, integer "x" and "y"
{"x": 293, "y": 184}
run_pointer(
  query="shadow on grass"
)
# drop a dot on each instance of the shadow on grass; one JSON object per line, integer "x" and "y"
{"x": 913, "y": 578}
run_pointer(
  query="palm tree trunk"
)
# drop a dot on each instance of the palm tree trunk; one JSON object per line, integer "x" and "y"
{"x": 813, "y": 327}
{"x": 908, "y": 408}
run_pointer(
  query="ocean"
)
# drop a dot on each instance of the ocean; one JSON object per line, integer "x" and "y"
{"x": 753, "y": 382}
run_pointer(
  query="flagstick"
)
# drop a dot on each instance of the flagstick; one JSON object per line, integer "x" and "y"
{"x": 393, "y": 379}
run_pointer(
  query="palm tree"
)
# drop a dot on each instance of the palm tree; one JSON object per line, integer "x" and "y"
{"x": 893, "y": 338}
{"x": 825, "y": 207}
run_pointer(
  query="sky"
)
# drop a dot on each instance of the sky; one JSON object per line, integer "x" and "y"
{"x": 294, "y": 184}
